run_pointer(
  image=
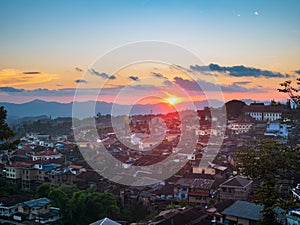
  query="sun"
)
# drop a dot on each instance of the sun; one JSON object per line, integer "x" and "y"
{"x": 173, "y": 100}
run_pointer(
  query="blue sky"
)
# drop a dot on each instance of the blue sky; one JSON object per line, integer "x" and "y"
{"x": 56, "y": 36}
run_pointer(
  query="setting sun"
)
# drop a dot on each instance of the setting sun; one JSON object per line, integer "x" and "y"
{"x": 173, "y": 100}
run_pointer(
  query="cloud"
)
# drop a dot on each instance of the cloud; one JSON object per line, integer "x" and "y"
{"x": 13, "y": 77}
{"x": 187, "y": 84}
{"x": 242, "y": 82}
{"x": 10, "y": 89}
{"x": 31, "y": 72}
{"x": 78, "y": 69}
{"x": 80, "y": 81}
{"x": 103, "y": 75}
{"x": 243, "y": 71}
{"x": 158, "y": 75}
{"x": 201, "y": 69}
{"x": 134, "y": 78}
{"x": 204, "y": 86}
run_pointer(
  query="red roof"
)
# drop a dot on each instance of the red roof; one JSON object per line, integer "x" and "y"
{"x": 20, "y": 164}
{"x": 75, "y": 167}
{"x": 46, "y": 153}
{"x": 263, "y": 108}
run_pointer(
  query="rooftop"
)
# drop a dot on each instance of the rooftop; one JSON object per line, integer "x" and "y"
{"x": 46, "y": 153}
{"x": 244, "y": 209}
{"x": 36, "y": 203}
{"x": 237, "y": 181}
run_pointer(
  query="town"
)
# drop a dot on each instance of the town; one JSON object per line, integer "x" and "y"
{"x": 47, "y": 170}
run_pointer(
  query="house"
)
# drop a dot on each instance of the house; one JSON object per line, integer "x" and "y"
{"x": 181, "y": 216}
{"x": 235, "y": 188}
{"x": 240, "y": 127}
{"x": 8, "y": 205}
{"x": 13, "y": 173}
{"x": 62, "y": 176}
{"x": 262, "y": 112}
{"x": 243, "y": 213}
{"x": 46, "y": 155}
{"x": 48, "y": 217}
{"x": 105, "y": 221}
{"x": 277, "y": 129}
{"x": 33, "y": 208}
{"x": 214, "y": 212}
{"x": 293, "y": 216}
{"x": 195, "y": 190}
{"x": 32, "y": 177}
{"x": 296, "y": 192}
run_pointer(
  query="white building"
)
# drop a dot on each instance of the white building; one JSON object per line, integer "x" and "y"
{"x": 241, "y": 127}
{"x": 46, "y": 155}
{"x": 277, "y": 129}
{"x": 262, "y": 112}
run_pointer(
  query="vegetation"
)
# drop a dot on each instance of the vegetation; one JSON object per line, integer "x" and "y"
{"x": 292, "y": 91}
{"x": 80, "y": 206}
{"x": 268, "y": 164}
{"x": 6, "y": 133}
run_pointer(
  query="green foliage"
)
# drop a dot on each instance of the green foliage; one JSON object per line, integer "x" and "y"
{"x": 288, "y": 88}
{"x": 43, "y": 190}
{"x": 87, "y": 206}
{"x": 59, "y": 198}
{"x": 5, "y": 131}
{"x": 265, "y": 163}
{"x": 81, "y": 207}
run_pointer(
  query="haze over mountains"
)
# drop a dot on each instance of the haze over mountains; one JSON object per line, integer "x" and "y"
{"x": 56, "y": 109}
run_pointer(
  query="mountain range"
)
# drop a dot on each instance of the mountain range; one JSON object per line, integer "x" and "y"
{"x": 57, "y": 109}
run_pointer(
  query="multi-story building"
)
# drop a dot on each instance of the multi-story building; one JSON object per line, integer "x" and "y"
{"x": 13, "y": 173}
{"x": 262, "y": 112}
{"x": 32, "y": 177}
{"x": 46, "y": 155}
{"x": 241, "y": 127}
{"x": 236, "y": 188}
{"x": 195, "y": 190}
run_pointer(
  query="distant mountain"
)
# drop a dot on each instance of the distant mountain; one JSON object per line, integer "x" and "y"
{"x": 55, "y": 109}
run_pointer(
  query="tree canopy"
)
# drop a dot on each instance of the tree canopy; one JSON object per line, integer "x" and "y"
{"x": 291, "y": 90}
{"x": 267, "y": 163}
{"x": 80, "y": 206}
{"x": 5, "y": 131}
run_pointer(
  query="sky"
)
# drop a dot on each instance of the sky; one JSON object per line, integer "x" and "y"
{"x": 49, "y": 49}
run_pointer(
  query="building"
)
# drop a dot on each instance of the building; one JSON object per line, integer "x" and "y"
{"x": 13, "y": 173}
{"x": 236, "y": 188}
{"x": 31, "y": 178}
{"x": 46, "y": 155}
{"x": 293, "y": 217}
{"x": 277, "y": 129}
{"x": 105, "y": 221}
{"x": 32, "y": 208}
{"x": 242, "y": 213}
{"x": 214, "y": 212}
{"x": 241, "y": 127}
{"x": 8, "y": 205}
{"x": 195, "y": 190}
{"x": 262, "y": 112}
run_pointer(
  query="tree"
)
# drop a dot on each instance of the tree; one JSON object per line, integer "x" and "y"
{"x": 58, "y": 198}
{"x": 87, "y": 206}
{"x": 5, "y": 131}
{"x": 291, "y": 90}
{"x": 266, "y": 163}
{"x": 293, "y": 115}
{"x": 234, "y": 108}
{"x": 43, "y": 190}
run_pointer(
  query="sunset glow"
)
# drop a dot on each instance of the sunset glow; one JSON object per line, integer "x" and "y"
{"x": 173, "y": 100}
